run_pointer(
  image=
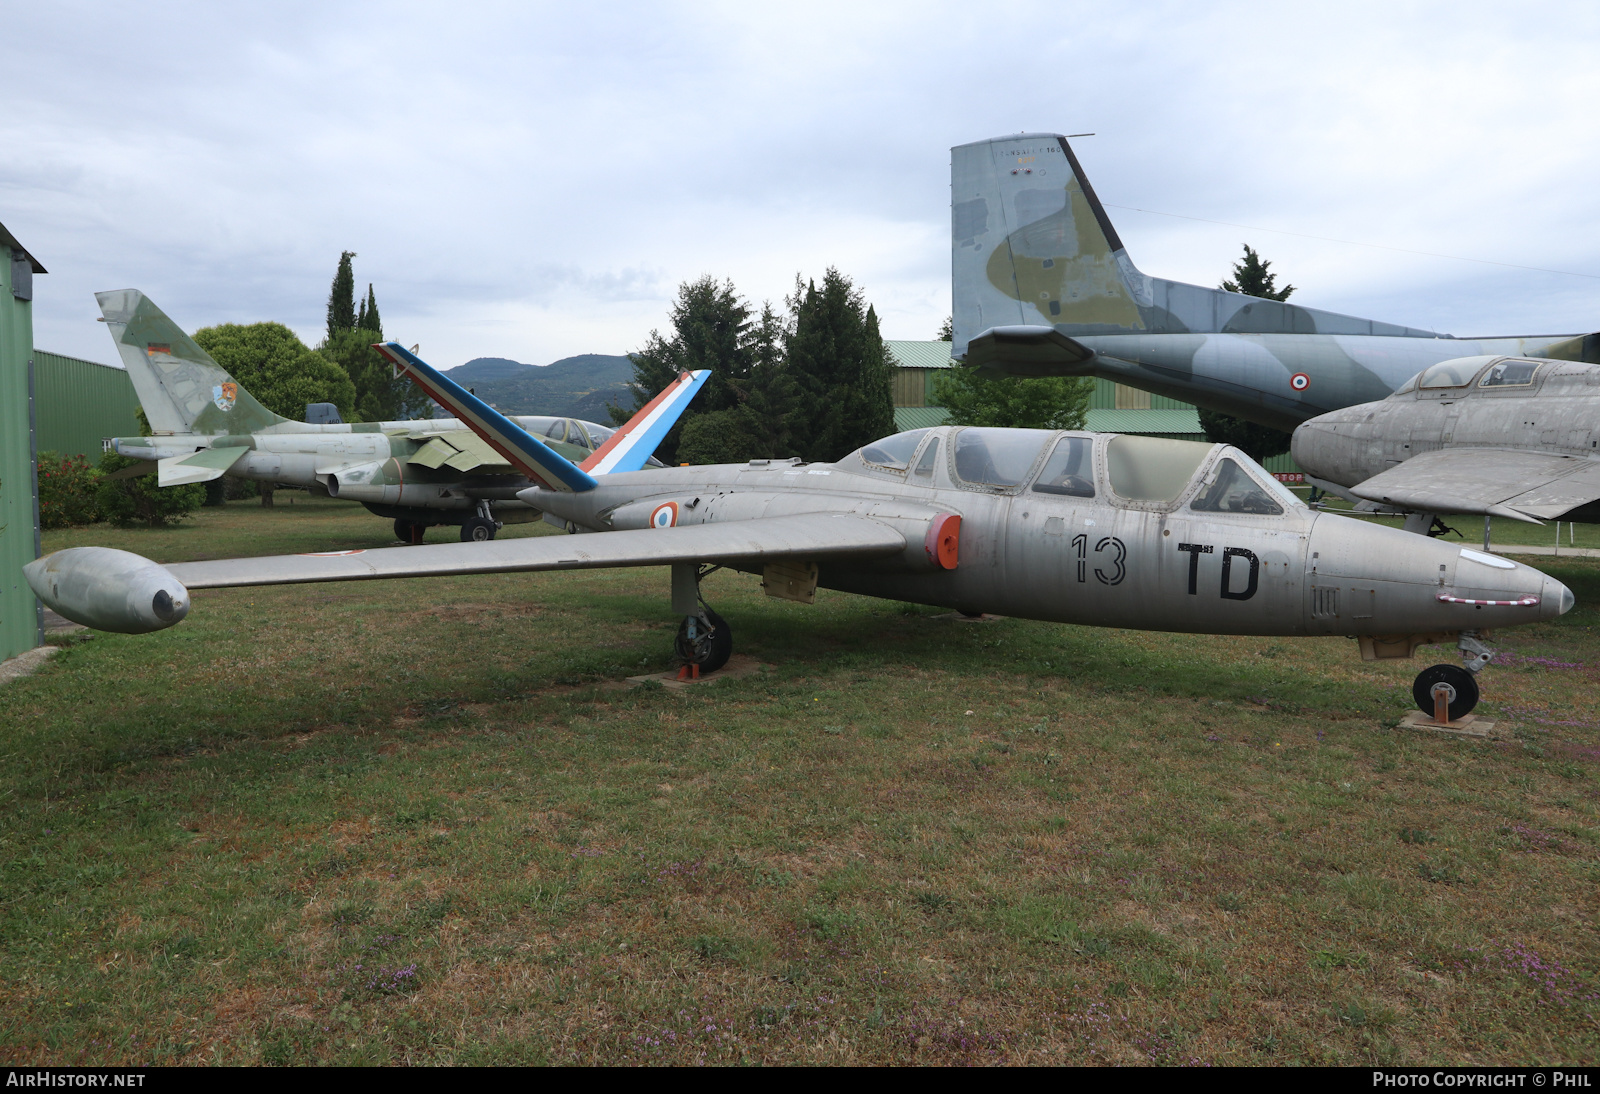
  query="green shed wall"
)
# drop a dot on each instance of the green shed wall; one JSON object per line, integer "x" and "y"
{"x": 19, "y": 511}
{"x": 79, "y": 403}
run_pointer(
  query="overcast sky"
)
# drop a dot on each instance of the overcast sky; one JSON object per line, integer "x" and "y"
{"x": 534, "y": 180}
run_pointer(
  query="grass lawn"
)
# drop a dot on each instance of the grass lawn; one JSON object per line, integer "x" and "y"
{"x": 424, "y": 822}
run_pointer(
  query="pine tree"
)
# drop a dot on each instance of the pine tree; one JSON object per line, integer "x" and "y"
{"x": 342, "y": 296}
{"x": 1252, "y": 277}
{"x": 380, "y": 395}
{"x": 840, "y": 367}
{"x": 710, "y": 330}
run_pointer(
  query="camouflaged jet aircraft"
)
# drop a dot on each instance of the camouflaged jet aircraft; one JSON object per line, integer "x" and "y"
{"x": 1512, "y": 437}
{"x": 416, "y": 473}
{"x": 1072, "y": 527}
{"x": 1043, "y": 286}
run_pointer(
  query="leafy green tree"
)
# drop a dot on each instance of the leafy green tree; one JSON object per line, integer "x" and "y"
{"x": 1051, "y": 402}
{"x": 1253, "y": 277}
{"x": 342, "y": 296}
{"x": 273, "y": 364}
{"x": 126, "y": 502}
{"x": 947, "y": 332}
{"x": 840, "y": 367}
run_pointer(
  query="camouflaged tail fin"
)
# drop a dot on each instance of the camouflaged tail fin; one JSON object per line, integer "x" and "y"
{"x": 181, "y": 389}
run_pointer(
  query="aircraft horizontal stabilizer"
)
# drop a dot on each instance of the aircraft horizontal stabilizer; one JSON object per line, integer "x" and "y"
{"x": 202, "y": 466}
{"x": 1520, "y": 485}
{"x": 1028, "y": 351}
{"x": 522, "y": 450}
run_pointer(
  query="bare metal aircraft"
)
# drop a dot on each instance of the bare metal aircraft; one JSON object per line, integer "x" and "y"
{"x": 1511, "y": 437}
{"x": 417, "y": 473}
{"x": 1042, "y": 285}
{"x": 1107, "y": 530}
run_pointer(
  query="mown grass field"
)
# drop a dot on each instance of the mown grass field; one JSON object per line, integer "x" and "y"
{"x": 424, "y": 822}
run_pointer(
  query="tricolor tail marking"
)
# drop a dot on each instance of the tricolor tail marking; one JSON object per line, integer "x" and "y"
{"x": 524, "y": 451}
{"x": 630, "y": 446}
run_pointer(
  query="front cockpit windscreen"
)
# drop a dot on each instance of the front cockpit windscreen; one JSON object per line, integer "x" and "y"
{"x": 1151, "y": 469}
{"x": 893, "y": 452}
{"x": 1446, "y": 374}
{"x": 1231, "y": 490}
{"x": 1070, "y": 469}
{"x": 998, "y": 458}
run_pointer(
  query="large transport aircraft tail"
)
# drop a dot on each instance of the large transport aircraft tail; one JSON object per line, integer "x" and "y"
{"x": 181, "y": 389}
{"x": 1032, "y": 247}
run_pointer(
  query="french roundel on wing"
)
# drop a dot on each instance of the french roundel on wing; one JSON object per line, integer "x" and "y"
{"x": 1299, "y": 381}
{"x": 664, "y": 515}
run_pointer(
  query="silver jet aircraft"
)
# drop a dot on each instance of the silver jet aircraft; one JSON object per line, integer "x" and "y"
{"x": 1512, "y": 437}
{"x": 1043, "y": 286}
{"x": 417, "y": 473}
{"x": 1071, "y": 527}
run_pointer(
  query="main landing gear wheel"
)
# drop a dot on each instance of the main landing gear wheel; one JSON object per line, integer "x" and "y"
{"x": 711, "y": 644}
{"x": 1462, "y": 690}
{"x": 478, "y": 530}
{"x": 409, "y": 532}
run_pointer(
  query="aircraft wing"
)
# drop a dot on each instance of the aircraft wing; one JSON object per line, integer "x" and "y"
{"x": 814, "y": 537}
{"x": 1497, "y": 482}
{"x": 460, "y": 449}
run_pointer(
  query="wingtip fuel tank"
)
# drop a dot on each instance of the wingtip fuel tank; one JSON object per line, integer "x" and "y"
{"x": 109, "y": 590}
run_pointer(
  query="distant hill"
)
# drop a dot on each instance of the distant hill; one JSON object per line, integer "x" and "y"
{"x": 576, "y": 387}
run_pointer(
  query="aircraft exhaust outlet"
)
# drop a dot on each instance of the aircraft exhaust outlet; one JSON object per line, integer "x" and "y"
{"x": 108, "y": 590}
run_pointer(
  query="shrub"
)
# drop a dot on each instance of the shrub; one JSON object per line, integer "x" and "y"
{"x": 68, "y": 486}
{"x": 126, "y": 502}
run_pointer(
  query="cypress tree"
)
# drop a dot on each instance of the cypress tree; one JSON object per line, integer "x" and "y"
{"x": 369, "y": 314}
{"x": 841, "y": 368}
{"x": 342, "y": 297}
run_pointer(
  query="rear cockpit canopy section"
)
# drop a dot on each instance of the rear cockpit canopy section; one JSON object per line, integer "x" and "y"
{"x": 1460, "y": 372}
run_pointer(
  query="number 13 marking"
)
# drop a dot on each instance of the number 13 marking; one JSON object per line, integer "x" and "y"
{"x": 1080, "y": 544}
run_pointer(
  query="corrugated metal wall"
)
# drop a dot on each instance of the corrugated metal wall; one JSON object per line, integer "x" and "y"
{"x": 80, "y": 403}
{"x": 19, "y": 511}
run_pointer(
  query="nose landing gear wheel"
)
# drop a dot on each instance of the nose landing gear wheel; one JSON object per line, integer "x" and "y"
{"x": 1463, "y": 694}
{"x": 477, "y": 530}
{"x": 711, "y": 646}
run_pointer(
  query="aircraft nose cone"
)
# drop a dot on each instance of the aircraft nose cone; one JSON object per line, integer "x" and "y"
{"x": 1557, "y": 593}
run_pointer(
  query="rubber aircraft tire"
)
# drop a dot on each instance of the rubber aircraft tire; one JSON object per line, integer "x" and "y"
{"x": 711, "y": 651}
{"x": 409, "y": 532}
{"x": 477, "y": 530}
{"x": 1465, "y": 685}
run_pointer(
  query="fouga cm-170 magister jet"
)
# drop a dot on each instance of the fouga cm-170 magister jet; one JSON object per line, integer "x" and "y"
{"x": 1070, "y": 527}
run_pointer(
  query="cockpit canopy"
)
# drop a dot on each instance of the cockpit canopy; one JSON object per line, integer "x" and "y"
{"x": 1459, "y": 372}
{"x": 1129, "y": 470}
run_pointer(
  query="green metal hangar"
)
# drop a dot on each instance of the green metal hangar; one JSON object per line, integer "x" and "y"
{"x": 1113, "y": 408}
{"x": 48, "y": 403}
{"x": 21, "y": 621}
